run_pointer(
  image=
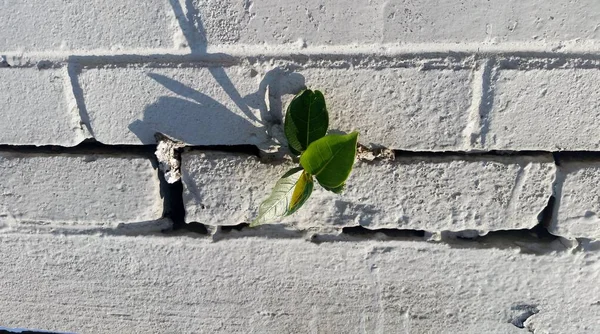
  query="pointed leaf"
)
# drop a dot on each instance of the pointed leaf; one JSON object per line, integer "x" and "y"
{"x": 330, "y": 159}
{"x": 337, "y": 190}
{"x": 302, "y": 191}
{"x": 282, "y": 202}
{"x": 306, "y": 120}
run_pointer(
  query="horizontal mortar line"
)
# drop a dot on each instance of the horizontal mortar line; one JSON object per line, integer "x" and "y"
{"x": 506, "y": 238}
{"x": 141, "y": 228}
{"x": 95, "y": 147}
{"x": 232, "y": 54}
{"x": 85, "y": 147}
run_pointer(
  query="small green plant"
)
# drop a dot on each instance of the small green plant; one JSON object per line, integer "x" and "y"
{"x": 328, "y": 158}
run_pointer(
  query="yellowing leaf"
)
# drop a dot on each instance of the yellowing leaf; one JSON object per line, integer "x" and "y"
{"x": 288, "y": 195}
{"x": 302, "y": 191}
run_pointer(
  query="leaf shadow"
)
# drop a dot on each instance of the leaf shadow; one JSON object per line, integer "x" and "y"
{"x": 192, "y": 117}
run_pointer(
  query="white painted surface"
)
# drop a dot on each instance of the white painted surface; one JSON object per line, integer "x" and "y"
{"x": 97, "y": 24}
{"x": 37, "y": 107}
{"x": 198, "y": 106}
{"x": 551, "y": 110}
{"x": 77, "y": 190}
{"x": 399, "y": 108}
{"x": 411, "y": 75}
{"x": 396, "y": 21}
{"x": 420, "y": 193}
{"x": 578, "y": 206}
{"x": 91, "y": 284}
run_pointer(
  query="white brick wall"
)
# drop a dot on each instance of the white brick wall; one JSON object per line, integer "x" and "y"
{"x": 534, "y": 110}
{"x": 421, "y": 193}
{"x": 490, "y": 108}
{"x": 341, "y": 22}
{"x": 576, "y": 214}
{"x": 33, "y": 26}
{"x": 189, "y": 285}
{"x": 38, "y": 108}
{"x": 83, "y": 190}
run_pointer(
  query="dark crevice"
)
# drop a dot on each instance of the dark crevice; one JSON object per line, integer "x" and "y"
{"x": 91, "y": 146}
{"x": 27, "y": 331}
{"x": 173, "y": 207}
{"x": 545, "y": 219}
{"x": 483, "y": 154}
{"x": 521, "y": 313}
{"x": 88, "y": 146}
{"x": 194, "y": 227}
{"x": 361, "y": 231}
{"x": 569, "y": 156}
{"x": 238, "y": 227}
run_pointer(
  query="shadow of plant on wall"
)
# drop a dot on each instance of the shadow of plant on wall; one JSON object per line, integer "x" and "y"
{"x": 195, "y": 118}
{"x": 191, "y": 116}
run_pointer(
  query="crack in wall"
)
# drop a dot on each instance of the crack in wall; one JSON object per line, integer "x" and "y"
{"x": 536, "y": 240}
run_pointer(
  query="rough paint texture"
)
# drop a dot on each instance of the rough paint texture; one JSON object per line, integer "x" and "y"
{"x": 421, "y": 193}
{"x": 192, "y": 105}
{"x": 37, "y": 108}
{"x": 80, "y": 190}
{"x": 423, "y": 110}
{"x": 396, "y": 21}
{"x": 579, "y": 205}
{"x": 478, "y": 120}
{"x": 73, "y": 25}
{"x": 533, "y": 111}
{"x": 289, "y": 286}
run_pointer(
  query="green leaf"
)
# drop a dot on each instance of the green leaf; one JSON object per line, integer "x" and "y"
{"x": 330, "y": 159}
{"x": 306, "y": 120}
{"x": 337, "y": 190}
{"x": 288, "y": 195}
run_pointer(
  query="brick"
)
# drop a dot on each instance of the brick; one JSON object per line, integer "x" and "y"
{"x": 96, "y": 24}
{"x": 318, "y": 23}
{"x": 577, "y": 205}
{"x": 399, "y": 108}
{"x": 550, "y": 110}
{"x": 421, "y": 193}
{"x": 199, "y": 106}
{"x": 80, "y": 190}
{"x": 37, "y": 108}
{"x": 188, "y": 285}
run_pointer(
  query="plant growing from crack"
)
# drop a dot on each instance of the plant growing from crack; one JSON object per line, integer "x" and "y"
{"x": 328, "y": 158}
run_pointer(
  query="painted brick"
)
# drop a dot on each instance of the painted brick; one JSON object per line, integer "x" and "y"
{"x": 549, "y": 110}
{"x": 38, "y": 108}
{"x": 96, "y": 24}
{"x": 397, "y": 108}
{"x": 578, "y": 205}
{"x": 421, "y": 193}
{"x": 187, "y": 285}
{"x": 316, "y": 22}
{"x": 80, "y": 190}
{"x": 199, "y": 106}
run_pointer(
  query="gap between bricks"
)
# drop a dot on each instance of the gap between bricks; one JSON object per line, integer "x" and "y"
{"x": 535, "y": 240}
